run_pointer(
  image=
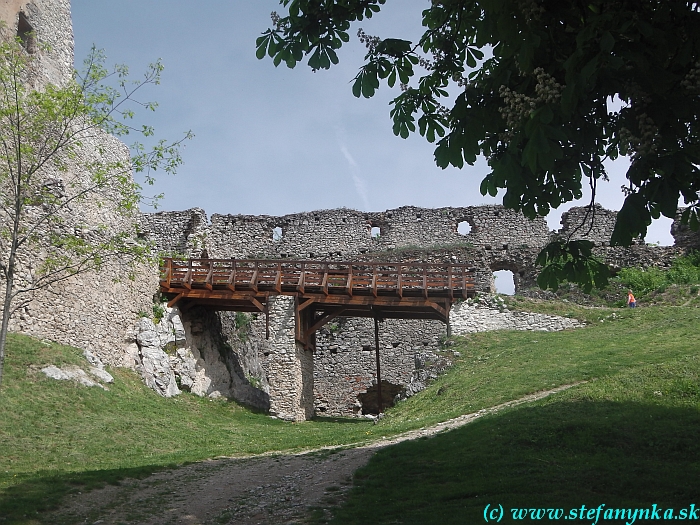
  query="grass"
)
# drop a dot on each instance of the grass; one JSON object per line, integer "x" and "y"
{"x": 629, "y": 440}
{"x": 495, "y": 367}
{"x": 57, "y": 438}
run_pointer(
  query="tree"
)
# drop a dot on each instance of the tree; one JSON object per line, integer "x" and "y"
{"x": 546, "y": 90}
{"x": 61, "y": 173}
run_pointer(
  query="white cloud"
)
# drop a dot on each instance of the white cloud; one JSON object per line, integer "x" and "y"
{"x": 360, "y": 183}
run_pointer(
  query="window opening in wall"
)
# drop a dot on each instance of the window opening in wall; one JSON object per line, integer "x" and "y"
{"x": 25, "y": 32}
{"x": 505, "y": 282}
{"x": 375, "y": 233}
{"x": 463, "y": 228}
{"x": 276, "y": 234}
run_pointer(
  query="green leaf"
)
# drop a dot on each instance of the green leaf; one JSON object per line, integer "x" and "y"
{"x": 262, "y": 44}
{"x": 392, "y": 78}
{"x": 607, "y": 42}
{"x": 632, "y": 221}
{"x": 357, "y": 87}
{"x": 394, "y": 47}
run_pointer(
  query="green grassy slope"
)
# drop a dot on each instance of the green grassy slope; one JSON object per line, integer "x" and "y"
{"x": 627, "y": 441}
{"x": 56, "y": 437}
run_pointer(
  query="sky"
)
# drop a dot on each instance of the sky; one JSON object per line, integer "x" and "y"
{"x": 272, "y": 140}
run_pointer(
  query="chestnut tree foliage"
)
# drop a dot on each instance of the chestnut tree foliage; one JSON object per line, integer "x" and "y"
{"x": 546, "y": 90}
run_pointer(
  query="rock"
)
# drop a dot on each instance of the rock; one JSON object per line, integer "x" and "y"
{"x": 70, "y": 373}
{"x": 53, "y": 372}
{"x": 156, "y": 371}
{"x": 101, "y": 374}
{"x": 184, "y": 365}
{"x": 93, "y": 359}
{"x": 149, "y": 339}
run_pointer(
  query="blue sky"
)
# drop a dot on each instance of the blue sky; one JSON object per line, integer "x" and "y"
{"x": 273, "y": 140}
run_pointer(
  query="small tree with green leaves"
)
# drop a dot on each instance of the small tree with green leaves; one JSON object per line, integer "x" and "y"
{"x": 63, "y": 177}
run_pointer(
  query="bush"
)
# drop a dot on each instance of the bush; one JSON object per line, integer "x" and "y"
{"x": 642, "y": 281}
{"x": 684, "y": 270}
{"x": 158, "y": 313}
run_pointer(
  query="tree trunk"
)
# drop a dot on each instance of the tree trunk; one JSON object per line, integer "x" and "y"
{"x": 9, "y": 283}
{"x": 6, "y": 312}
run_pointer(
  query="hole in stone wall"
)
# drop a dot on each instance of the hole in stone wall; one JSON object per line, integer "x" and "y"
{"x": 25, "y": 32}
{"x": 370, "y": 401}
{"x": 505, "y": 282}
{"x": 463, "y": 228}
{"x": 375, "y": 232}
{"x": 276, "y": 234}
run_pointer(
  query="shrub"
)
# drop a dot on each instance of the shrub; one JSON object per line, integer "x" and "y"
{"x": 684, "y": 270}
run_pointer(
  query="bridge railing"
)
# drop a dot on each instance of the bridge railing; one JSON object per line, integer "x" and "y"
{"x": 326, "y": 277}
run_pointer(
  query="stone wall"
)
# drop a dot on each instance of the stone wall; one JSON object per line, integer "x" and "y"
{"x": 342, "y": 233}
{"x": 177, "y": 233}
{"x": 93, "y": 310}
{"x": 345, "y": 361}
{"x": 289, "y": 368}
{"x": 594, "y": 224}
{"x": 344, "y": 368}
{"x": 683, "y": 236}
{"x": 50, "y": 23}
{"x": 484, "y": 314}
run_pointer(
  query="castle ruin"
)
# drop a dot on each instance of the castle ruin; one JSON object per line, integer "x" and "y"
{"x": 227, "y": 354}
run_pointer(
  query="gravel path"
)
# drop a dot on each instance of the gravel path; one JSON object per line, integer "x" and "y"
{"x": 269, "y": 490}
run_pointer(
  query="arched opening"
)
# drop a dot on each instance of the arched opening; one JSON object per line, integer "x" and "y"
{"x": 370, "y": 401}
{"x": 277, "y": 234}
{"x": 504, "y": 282}
{"x": 463, "y": 228}
{"x": 375, "y": 233}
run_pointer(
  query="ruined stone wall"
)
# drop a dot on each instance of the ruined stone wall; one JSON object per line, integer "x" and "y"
{"x": 594, "y": 224}
{"x": 344, "y": 359}
{"x": 52, "y": 38}
{"x": 343, "y": 233}
{"x": 94, "y": 310}
{"x": 289, "y": 367}
{"x": 177, "y": 233}
{"x": 683, "y": 236}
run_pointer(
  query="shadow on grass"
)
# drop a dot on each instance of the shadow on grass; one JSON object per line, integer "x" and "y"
{"x": 330, "y": 419}
{"x": 555, "y": 455}
{"x": 25, "y": 501}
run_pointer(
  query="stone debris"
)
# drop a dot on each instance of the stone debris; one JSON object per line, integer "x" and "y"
{"x": 486, "y": 313}
{"x": 73, "y": 373}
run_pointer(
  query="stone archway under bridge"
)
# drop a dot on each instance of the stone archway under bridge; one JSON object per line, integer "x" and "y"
{"x": 299, "y": 297}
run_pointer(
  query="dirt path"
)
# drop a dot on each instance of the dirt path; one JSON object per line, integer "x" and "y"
{"x": 269, "y": 490}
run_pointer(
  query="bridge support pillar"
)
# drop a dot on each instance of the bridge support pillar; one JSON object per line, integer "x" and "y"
{"x": 290, "y": 368}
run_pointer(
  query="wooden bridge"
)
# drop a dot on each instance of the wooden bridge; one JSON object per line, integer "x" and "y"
{"x": 323, "y": 289}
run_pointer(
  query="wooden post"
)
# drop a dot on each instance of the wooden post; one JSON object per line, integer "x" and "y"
{"x": 379, "y": 373}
